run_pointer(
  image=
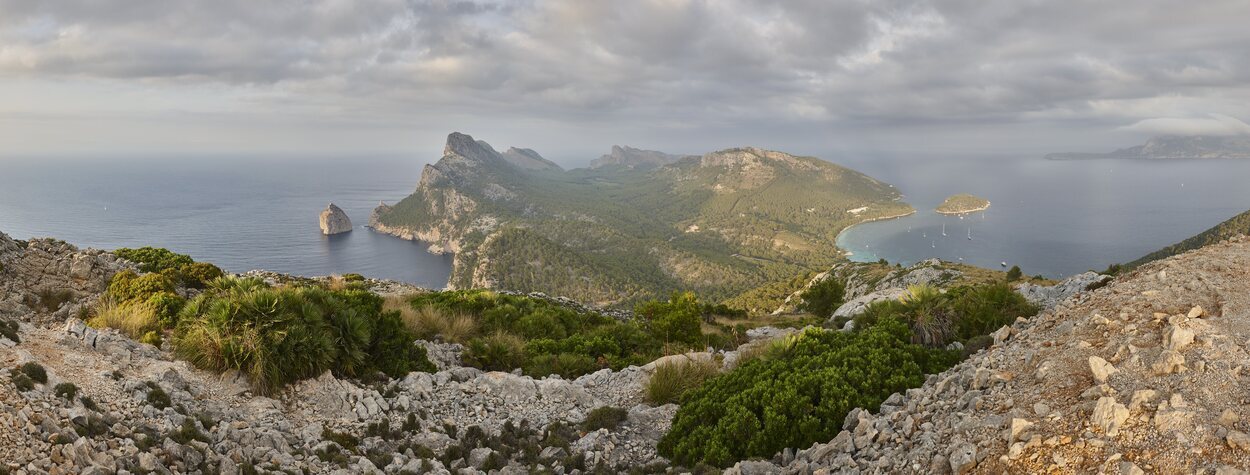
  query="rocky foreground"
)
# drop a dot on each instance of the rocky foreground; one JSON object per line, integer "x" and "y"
{"x": 1144, "y": 374}
{"x": 1149, "y": 374}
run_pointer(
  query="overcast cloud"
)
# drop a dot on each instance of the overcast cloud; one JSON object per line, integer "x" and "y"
{"x": 571, "y": 77}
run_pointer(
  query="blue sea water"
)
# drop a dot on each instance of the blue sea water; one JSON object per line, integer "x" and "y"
{"x": 1054, "y": 218}
{"x": 239, "y": 213}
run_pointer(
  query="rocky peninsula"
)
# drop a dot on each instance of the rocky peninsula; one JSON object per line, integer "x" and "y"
{"x": 963, "y": 203}
{"x": 335, "y": 221}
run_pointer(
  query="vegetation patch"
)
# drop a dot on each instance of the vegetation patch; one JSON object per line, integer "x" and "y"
{"x": 280, "y": 335}
{"x": 672, "y": 380}
{"x": 799, "y": 395}
{"x": 824, "y": 297}
{"x": 35, "y": 372}
{"x": 133, "y": 318}
{"x": 8, "y": 329}
{"x": 606, "y": 417}
{"x": 65, "y": 390}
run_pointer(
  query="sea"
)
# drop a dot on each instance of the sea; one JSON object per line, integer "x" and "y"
{"x": 1053, "y": 218}
{"x": 240, "y": 213}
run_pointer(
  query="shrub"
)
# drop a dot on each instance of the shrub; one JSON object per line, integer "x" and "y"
{"x": 88, "y": 403}
{"x": 166, "y": 305}
{"x": 21, "y": 380}
{"x": 151, "y": 338}
{"x": 198, "y": 275}
{"x": 429, "y": 323}
{"x": 157, "y": 397}
{"x": 983, "y": 309}
{"x": 188, "y": 432}
{"x": 676, "y": 320}
{"x": 671, "y": 381}
{"x": 280, "y": 335}
{"x": 345, "y": 440}
{"x": 65, "y": 390}
{"x": 798, "y": 395}
{"x": 51, "y": 300}
{"x": 127, "y": 286}
{"x": 927, "y": 313}
{"x": 497, "y": 352}
{"x": 823, "y": 297}
{"x": 606, "y": 417}
{"x": 133, "y": 318}
{"x": 8, "y": 329}
{"x": 35, "y": 372}
{"x": 567, "y": 365}
{"x": 1014, "y": 274}
{"x": 154, "y": 259}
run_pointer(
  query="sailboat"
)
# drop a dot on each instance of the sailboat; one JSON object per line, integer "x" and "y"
{"x": 943, "y": 229}
{"x": 933, "y": 244}
{"x": 969, "y": 234}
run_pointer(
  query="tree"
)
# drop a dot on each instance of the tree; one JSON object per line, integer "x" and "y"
{"x": 823, "y": 297}
{"x": 1014, "y": 274}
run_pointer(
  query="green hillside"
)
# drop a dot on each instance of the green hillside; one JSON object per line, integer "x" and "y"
{"x": 1239, "y": 224}
{"x": 719, "y": 225}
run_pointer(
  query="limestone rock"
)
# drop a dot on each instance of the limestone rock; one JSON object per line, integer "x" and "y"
{"x": 335, "y": 221}
{"x": 1109, "y": 416}
{"x": 1101, "y": 369}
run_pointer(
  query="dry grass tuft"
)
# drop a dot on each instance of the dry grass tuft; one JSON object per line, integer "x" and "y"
{"x": 133, "y": 318}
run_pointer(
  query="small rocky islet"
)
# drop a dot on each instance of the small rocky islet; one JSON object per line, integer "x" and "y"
{"x": 963, "y": 203}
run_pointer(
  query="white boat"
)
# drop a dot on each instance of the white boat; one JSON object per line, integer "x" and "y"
{"x": 969, "y": 234}
{"x": 1004, "y": 264}
{"x": 943, "y": 229}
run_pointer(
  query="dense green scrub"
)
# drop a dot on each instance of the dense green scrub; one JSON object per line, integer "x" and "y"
{"x": 541, "y": 337}
{"x": 280, "y": 335}
{"x": 800, "y": 389}
{"x": 797, "y": 394}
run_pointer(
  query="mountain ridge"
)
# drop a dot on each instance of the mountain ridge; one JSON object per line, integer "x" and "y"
{"x": 719, "y": 223}
{"x": 1169, "y": 147}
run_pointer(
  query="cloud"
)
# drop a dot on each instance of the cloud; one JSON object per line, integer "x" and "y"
{"x": 724, "y": 68}
{"x": 1216, "y": 124}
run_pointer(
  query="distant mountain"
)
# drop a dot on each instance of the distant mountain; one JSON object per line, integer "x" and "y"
{"x": 1239, "y": 224}
{"x": 1173, "y": 147}
{"x": 719, "y": 224}
{"x": 630, "y": 157}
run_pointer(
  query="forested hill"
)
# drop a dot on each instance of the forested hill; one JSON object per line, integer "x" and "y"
{"x": 719, "y": 224}
{"x": 1239, "y": 224}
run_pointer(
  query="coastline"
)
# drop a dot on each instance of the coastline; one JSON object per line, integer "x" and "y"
{"x": 970, "y": 211}
{"x": 838, "y": 237}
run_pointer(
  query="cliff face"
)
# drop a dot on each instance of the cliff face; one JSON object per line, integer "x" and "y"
{"x": 335, "y": 221}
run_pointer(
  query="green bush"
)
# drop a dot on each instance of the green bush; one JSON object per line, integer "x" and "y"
{"x": 8, "y": 329}
{"x": 198, "y": 275}
{"x": 154, "y": 259}
{"x": 51, "y": 300}
{"x": 35, "y": 371}
{"x": 497, "y": 352}
{"x": 606, "y": 417}
{"x": 280, "y": 335}
{"x": 1014, "y": 274}
{"x": 127, "y": 286}
{"x": 166, "y": 305}
{"x": 798, "y": 395}
{"x": 133, "y": 318}
{"x": 823, "y": 297}
{"x": 21, "y": 380}
{"x": 961, "y": 314}
{"x": 556, "y": 339}
{"x": 676, "y": 320}
{"x": 65, "y": 390}
{"x": 157, "y": 397}
{"x": 671, "y": 381}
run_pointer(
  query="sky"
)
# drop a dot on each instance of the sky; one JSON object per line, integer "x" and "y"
{"x": 570, "y": 78}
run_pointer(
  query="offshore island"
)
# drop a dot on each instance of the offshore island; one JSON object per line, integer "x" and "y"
{"x": 963, "y": 203}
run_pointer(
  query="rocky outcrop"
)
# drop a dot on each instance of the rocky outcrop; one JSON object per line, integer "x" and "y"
{"x": 1144, "y": 374}
{"x": 335, "y": 221}
{"x": 44, "y": 280}
{"x": 871, "y": 282}
{"x": 1047, "y": 296}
